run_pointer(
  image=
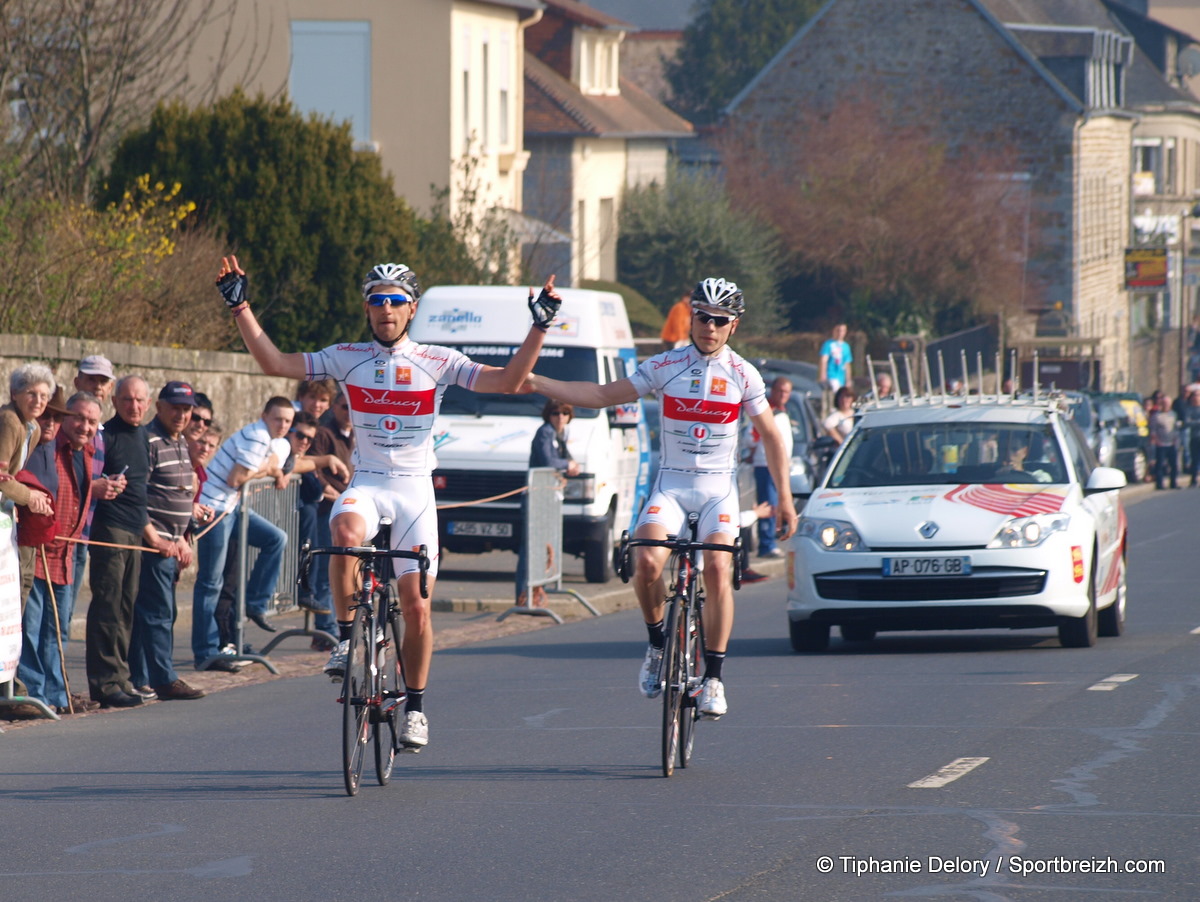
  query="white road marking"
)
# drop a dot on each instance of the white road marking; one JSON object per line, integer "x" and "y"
{"x": 957, "y": 768}
{"x": 1108, "y": 684}
{"x": 1196, "y": 631}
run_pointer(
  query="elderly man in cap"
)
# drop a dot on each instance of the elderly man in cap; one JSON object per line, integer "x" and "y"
{"x": 53, "y": 588}
{"x": 170, "y": 489}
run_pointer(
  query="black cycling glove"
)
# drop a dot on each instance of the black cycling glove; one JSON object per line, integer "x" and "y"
{"x": 234, "y": 288}
{"x": 544, "y": 308}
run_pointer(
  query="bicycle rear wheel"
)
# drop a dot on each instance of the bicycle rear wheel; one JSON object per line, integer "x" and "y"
{"x": 391, "y": 690}
{"x": 688, "y": 714}
{"x": 673, "y": 687}
{"x": 356, "y": 691}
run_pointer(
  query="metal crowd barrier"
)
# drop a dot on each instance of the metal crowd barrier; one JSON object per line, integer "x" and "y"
{"x": 543, "y": 544}
{"x": 279, "y": 507}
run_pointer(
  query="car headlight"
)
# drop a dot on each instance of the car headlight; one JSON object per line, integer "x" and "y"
{"x": 832, "y": 535}
{"x": 1029, "y": 532}
{"x": 581, "y": 489}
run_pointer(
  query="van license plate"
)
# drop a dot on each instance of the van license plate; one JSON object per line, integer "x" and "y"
{"x": 927, "y": 566}
{"x": 484, "y": 530}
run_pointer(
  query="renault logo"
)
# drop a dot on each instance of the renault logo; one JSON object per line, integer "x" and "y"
{"x": 928, "y": 529}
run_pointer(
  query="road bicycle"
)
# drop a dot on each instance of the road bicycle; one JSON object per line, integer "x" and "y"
{"x": 683, "y": 650}
{"x": 373, "y": 683}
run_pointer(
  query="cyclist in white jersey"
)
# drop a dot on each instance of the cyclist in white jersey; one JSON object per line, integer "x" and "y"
{"x": 702, "y": 390}
{"x": 394, "y": 387}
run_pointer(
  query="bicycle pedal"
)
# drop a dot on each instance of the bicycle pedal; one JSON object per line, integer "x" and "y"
{"x": 411, "y": 749}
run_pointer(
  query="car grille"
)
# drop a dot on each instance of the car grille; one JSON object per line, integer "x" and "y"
{"x": 471, "y": 485}
{"x": 869, "y": 585}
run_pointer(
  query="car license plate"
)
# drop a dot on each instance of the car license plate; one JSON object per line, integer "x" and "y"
{"x": 484, "y": 530}
{"x": 927, "y": 566}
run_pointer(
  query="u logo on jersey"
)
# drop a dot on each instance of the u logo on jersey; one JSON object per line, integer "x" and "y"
{"x": 390, "y": 425}
{"x": 699, "y": 432}
{"x": 404, "y": 375}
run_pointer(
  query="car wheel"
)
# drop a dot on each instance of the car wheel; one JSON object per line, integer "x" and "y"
{"x": 856, "y": 632}
{"x": 598, "y": 556}
{"x": 808, "y": 636}
{"x": 1080, "y": 632}
{"x": 1141, "y": 467}
{"x": 1111, "y": 620}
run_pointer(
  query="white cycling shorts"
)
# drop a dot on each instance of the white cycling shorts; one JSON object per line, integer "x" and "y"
{"x": 714, "y": 496}
{"x": 408, "y": 501}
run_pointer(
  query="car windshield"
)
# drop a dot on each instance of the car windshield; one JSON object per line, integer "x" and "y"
{"x": 949, "y": 454}
{"x": 566, "y": 364}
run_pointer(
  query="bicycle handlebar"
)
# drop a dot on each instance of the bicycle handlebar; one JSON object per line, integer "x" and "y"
{"x": 678, "y": 544}
{"x": 370, "y": 553}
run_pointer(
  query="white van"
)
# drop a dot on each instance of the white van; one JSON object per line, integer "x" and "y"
{"x": 482, "y": 441}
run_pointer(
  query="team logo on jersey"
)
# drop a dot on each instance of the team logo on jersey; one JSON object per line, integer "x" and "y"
{"x": 695, "y": 386}
{"x": 394, "y": 403}
{"x": 719, "y": 386}
{"x": 724, "y": 518}
{"x": 404, "y": 375}
{"x": 349, "y": 500}
{"x": 699, "y": 432}
{"x": 653, "y": 509}
{"x": 389, "y": 425}
{"x": 380, "y": 374}
{"x": 699, "y": 409}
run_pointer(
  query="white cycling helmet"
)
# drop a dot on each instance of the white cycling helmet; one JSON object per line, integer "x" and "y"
{"x": 719, "y": 296}
{"x": 392, "y": 274}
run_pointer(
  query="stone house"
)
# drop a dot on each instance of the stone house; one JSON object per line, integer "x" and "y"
{"x": 1053, "y": 89}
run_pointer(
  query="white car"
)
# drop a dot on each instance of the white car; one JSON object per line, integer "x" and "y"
{"x": 960, "y": 513}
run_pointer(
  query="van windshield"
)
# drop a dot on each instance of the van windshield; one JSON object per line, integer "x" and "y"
{"x": 566, "y": 364}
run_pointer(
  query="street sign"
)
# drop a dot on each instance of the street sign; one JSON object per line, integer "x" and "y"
{"x": 1145, "y": 268}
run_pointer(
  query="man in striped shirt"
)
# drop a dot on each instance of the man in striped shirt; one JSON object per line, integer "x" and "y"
{"x": 170, "y": 489}
{"x": 256, "y": 450}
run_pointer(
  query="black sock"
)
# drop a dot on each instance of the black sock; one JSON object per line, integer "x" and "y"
{"x": 414, "y": 699}
{"x": 712, "y": 664}
{"x": 344, "y": 628}
{"x": 657, "y": 637}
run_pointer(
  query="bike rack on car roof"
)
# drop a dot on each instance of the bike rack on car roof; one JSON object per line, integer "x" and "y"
{"x": 1038, "y": 397}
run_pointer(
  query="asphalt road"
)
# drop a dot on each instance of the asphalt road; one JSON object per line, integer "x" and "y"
{"x": 542, "y": 778}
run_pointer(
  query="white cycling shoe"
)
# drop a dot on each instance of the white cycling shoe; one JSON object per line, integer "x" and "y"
{"x": 712, "y": 699}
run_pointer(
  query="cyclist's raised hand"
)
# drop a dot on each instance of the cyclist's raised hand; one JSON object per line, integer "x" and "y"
{"x": 545, "y": 307}
{"x": 232, "y": 282}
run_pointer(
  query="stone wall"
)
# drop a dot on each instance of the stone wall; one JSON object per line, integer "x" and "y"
{"x": 233, "y": 381}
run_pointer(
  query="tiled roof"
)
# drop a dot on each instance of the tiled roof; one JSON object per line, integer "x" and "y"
{"x": 554, "y": 106}
{"x": 584, "y": 14}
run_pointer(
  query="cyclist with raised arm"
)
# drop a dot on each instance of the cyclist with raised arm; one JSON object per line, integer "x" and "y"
{"x": 394, "y": 387}
{"x": 702, "y": 388}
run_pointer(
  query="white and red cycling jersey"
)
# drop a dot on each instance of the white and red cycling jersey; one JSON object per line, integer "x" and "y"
{"x": 700, "y": 400}
{"x": 394, "y": 395}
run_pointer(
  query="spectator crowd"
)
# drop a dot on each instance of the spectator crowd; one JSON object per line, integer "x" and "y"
{"x": 129, "y": 502}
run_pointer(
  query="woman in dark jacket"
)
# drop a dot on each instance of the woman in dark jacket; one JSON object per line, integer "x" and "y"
{"x": 549, "y": 449}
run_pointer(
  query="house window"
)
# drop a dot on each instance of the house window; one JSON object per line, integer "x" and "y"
{"x": 1153, "y": 166}
{"x": 466, "y": 90}
{"x": 608, "y": 239}
{"x": 505, "y": 81}
{"x": 485, "y": 111}
{"x": 330, "y": 72}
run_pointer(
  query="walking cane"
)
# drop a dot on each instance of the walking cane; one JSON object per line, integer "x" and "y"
{"x": 62, "y": 661}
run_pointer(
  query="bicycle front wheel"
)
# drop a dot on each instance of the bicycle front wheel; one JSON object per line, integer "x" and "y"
{"x": 674, "y": 687}
{"x": 356, "y": 692}
{"x": 391, "y": 690}
{"x": 689, "y": 641}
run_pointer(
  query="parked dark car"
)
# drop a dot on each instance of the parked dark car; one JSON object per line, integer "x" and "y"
{"x": 1131, "y": 432}
{"x": 1100, "y": 433}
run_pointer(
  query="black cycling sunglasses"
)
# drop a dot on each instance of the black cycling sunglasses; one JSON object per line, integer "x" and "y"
{"x": 719, "y": 321}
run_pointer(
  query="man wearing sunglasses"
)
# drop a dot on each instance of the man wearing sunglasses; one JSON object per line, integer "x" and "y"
{"x": 394, "y": 388}
{"x": 702, "y": 390}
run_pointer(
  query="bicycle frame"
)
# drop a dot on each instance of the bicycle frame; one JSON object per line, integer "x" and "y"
{"x": 371, "y": 695}
{"x": 684, "y": 630}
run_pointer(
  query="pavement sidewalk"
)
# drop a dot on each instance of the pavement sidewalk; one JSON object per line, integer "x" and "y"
{"x": 456, "y": 621}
